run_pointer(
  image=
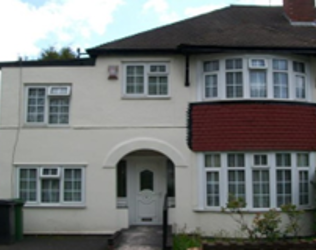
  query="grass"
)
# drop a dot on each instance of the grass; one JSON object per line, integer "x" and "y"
{"x": 183, "y": 241}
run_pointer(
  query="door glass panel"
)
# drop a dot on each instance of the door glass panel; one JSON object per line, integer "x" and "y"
{"x": 146, "y": 180}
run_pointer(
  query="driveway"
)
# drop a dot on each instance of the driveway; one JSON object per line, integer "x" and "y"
{"x": 59, "y": 243}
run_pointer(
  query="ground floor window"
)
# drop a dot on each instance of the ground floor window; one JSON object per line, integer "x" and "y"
{"x": 51, "y": 185}
{"x": 262, "y": 180}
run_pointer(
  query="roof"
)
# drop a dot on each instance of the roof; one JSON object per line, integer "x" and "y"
{"x": 250, "y": 27}
{"x": 48, "y": 63}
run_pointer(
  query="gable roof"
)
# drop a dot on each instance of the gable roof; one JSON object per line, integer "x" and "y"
{"x": 249, "y": 27}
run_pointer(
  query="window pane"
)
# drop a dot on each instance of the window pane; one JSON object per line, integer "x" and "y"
{"x": 146, "y": 180}
{"x": 236, "y": 160}
{"x": 260, "y": 160}
{"x": 233, "y": 64}
{"x": 280, "y": 64}
{"x": 236, "y": 183}
{"x": 258, "y": 83}
{"x": 303, "y": 188}
{"x": 135, "y": 79}
{"x": 299, "y": 67}
{"x": 121, "y": 179}
{"x": 28, "y": 184}
{"x": 212, "y": 160}
{"x": 36, "y": 105}
{"x": 73, "y": 185}
{"x": 280, "y": 82}
{"x": 284, "y": 185}
{"x": 302, "y": 160}
{"x": 50, "y": 192}
{"x": 211, "y": 66}
{"x": 212, "y": 189}
{"x": 283, "y": 160}
{"x": 59, "y": 110}
{"x": 210, "y": 86}
{"x": 171, "y": 179}
{"x": 261, "y": 191}
{"x": 300, "y": 86}
{"x": 234, "y": 84}
{"x": 158, "y": 85}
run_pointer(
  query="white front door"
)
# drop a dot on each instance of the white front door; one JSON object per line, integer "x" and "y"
{"x": 147, "y": 190}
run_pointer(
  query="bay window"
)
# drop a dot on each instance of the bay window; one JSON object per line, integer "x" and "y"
{"x": 262, "y": 180}
{"x": 263, "y": 77}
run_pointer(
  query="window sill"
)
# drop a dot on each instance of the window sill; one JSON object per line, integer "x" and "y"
{"x": 46, "y": 126}
{"x": 246, "y": 210}
{"x": 145, "y": 98}
{"x": 74, "y": 206}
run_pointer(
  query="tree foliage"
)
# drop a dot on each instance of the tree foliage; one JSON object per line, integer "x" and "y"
{"x": 51, "y": 53}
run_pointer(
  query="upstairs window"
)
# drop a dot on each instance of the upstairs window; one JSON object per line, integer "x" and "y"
{"x": 299, "y": 79}
{"x": 211, "y": 70}
{"x": 146, "y": 80}
{"x": 234, "y": 78}
{"x": 280, "y": 78}
{"x": 48, "y": 105}
{"x": 255, "y": 77}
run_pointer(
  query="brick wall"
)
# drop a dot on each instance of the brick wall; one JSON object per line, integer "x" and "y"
{"x": 300, "y": 10}
{"x": 251, "y": 125}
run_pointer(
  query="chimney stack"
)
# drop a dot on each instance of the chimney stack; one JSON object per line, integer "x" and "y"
{"x": 300, "y": 10}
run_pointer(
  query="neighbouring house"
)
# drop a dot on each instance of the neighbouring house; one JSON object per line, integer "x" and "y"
{"x": 222, "y": 103}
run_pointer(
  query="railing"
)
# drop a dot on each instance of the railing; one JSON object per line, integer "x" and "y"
{"x": 165, "y": 223}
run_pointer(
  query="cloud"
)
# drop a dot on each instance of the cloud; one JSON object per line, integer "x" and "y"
{"x": 58, "y": 22}
{"x": 162, "y": 9}
{"x": 194, "y": 11}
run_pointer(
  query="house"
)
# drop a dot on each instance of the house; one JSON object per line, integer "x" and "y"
{"x": 220, "y": 103}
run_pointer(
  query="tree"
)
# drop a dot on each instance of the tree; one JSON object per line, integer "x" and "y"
{"x": 52, "y": 54}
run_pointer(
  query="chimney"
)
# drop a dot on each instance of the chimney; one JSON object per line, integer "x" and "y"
{"x": 300, "y": 10}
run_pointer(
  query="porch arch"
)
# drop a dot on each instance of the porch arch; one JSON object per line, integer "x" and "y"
{"x": 126, "y": 147}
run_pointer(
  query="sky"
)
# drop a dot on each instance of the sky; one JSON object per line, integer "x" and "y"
{"x": 29, "y": 26}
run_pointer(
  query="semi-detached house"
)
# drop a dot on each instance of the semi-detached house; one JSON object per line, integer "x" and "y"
{"x": 222, "y": 103}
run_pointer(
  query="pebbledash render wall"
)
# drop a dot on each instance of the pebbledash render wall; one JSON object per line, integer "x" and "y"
{"x": 101, "y": 121}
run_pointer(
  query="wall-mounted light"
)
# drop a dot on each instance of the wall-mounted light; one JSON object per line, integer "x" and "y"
{"x": 113, "y": 72}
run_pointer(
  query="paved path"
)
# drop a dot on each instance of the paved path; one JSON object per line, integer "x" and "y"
{"x": 59, "y": 243}
{"x": 141, "y": 238}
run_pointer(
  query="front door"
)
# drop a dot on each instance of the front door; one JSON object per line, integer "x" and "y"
{"x": 148, "y": 190}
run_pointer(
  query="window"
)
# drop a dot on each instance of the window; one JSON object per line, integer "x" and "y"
{"x": 300, "y": 79}
{"x": 236, "y": 175}
{"x": 262, "y": 180}
{"x": 211, "y": 69}
{"x": 258, "y": 83}
{"x": 212, "y": 167}
{"x": 48, "y": 105}
{"x": 263, "y": 77}
{"x": 303, "y": 173}
{"x": 234, "y": 78}
{"x": 280, "y": 78}
{"x": 149, "y": 79}
{"x": 51, "y": 185}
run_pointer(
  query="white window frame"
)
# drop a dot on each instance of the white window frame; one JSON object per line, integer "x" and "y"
{"x": 211, "y": 73}
{"x": 246, "y": 58}
{"x": 147, "y": 74}
{"x": 251, "y": 66}
{"x": 61, "y": 178}
{"x": 249, "y": 167}
{"x": 48, "y": 94}
{"x": 51, "y": 92}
